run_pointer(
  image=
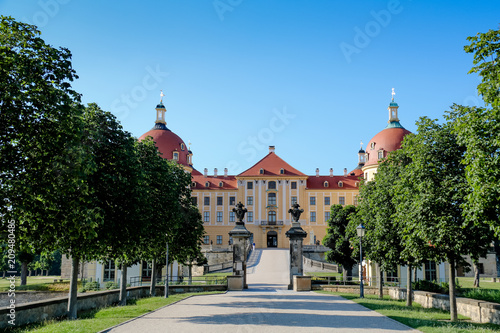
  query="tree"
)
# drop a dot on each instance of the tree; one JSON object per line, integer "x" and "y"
{"x": 338, "y": 239}
{"x": 478, "y": 129}
{"x": 430, "y": 198}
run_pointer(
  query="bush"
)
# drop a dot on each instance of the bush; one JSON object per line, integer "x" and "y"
{"x": 91, "y": 286}
{"x": 111, "y": 285}
{"x": 430, "y": 286}
{"x": 488, "y": 295}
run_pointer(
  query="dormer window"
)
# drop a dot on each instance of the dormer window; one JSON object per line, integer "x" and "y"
{"x": 380, "y": 154}
{"x": 193, "y": 184}
{"x": 356, "y": 184}
{"x": 221, "y": 184}
{"x": 325, "y": 184}
{"x": 282, "y": 171}
{"x": 372, "y": 145}
{"x": 182, "y": 146}
{"x": 175, "y": 156}
{"x": 261, "y": 171}
{"x": 207, "y": 184}
{"x": 341, "y": 184}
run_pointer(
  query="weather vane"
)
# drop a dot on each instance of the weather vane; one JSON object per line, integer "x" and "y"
{"x": 361, "y": 144}
{"x": 162, "y": 94}
{"x": 393, "y": 93}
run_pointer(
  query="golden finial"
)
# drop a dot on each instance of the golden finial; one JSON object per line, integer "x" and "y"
{"x": 393, "y": 93}
{"x": 161, "y": 96}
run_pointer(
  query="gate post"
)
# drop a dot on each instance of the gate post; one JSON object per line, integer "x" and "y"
{"x": 240, "y": 236}
{"x": 296, "y": 235}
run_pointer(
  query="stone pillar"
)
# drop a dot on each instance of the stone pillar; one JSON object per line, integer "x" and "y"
{"x": 296, "y": 235}
{"x": 240, "y": 236}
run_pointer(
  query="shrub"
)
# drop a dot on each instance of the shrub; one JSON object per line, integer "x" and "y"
{"x": 430, "y": 286}
{"x": 94, "y": 286}
{"x": 483, "y": 294}
{"x": 111, "y": 285}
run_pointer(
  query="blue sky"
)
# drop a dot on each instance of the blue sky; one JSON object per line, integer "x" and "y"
{"x": 313, "y": 78}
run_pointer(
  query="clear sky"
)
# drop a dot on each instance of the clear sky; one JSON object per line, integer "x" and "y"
{"x": 313, "y": 78}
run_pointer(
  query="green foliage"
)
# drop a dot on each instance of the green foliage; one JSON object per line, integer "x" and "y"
{"x": 487, "y": 295}
{"x": 338, "y": 236}
{"x": 90, "y": 286}
{"x": 111, "y": 285}
{"x": 431, "y": 286}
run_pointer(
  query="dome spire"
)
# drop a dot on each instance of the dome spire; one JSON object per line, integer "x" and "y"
{"x": 393, "y": 110}
{"x": 160, "y": 122}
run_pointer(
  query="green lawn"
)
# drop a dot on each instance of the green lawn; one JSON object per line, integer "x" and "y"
{"x": 425, "y": 320}
{"x": 467, "y": 282}
{"x": 100, "y": 319}
{"x": 40, "y": 283}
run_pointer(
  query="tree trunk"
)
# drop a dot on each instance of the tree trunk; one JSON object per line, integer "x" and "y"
{"x": 380, "y": 282}
{"x": 152, "y": 288}
{"x": 409, "y": 292}
{"x": 344, "y": 274}
{"x": 30, "y": 271}
{"x": 123, "y": 286}
{"x": 190, "y": 274}
{"x": 24, "y": 273}
{"x": 73, "y": 289}
{"x": 47, "y": 272}
{"x": 453, "y": 298}
{"x": 476, "y": 273}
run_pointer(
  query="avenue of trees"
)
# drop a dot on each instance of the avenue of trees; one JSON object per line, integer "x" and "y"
{"x": 438, "y": 197}
{"x": 72, "y": 180}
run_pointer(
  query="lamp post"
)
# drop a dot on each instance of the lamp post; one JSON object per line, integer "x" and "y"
{"x": 166, "y": 274}
{"x": 361, "y": 233}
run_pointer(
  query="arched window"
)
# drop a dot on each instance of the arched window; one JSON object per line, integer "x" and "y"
{"x": 175, "y": 156}
{"x": 271, "y": 185}
{"x": 261, "y": 171}
{"x": 271, "y": 199}
{"x": 271, "y": 216}
{"x": 221, "y": 184}
{"x": 325, "y": 184}
{"x": 207, "y": 184}
{"x": 182, "y": 146}
{"x": 282, "y": 171}
{"x": 341, "y": 184}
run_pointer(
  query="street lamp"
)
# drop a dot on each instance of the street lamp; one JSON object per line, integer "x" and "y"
{"x": 166, "y": 274}
{"x": 361, "y": 233}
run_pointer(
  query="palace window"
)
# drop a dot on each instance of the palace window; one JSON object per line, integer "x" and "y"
{"x": 327, "y": 201}
{"x": 312, "y": 201}
{"x": 146, "y": 269}
{"x": 175, "y": 156}
{"x": 282, "y": 171}
{"x": 294, "y": 200}
{"x": 430, "y": 271}
{"x": 194, "y": 201}
{"x": 261, "y": 171}
{"x": 221, "y": 184}
{"x": 219, "y": 216}
{"x": 325, "y": 184}
{"x": 193, "y": 184}
{"x": 380, "y": 154}
{"x": 342, "y": 201}
{"x": 219, "y": 239}
{"x": 293, "y": 185}
{"x": 206, "y": 216}
{"x": 206, "y": 201}
{"x": 109, "y": 270}
{"x": 207, "y": 184}
{"x": 271, "y": 216}
{"x": 327, "y": 216}
{"x": 249, "y": 185}
{"x": 231, "y": 216}
{"x": 271, "y": 185}
{"x": 372, "y": 145}
{"x": 271, "y": 199}
{"x": 219, "y": 201}
{"x": 249, "y": 216}
{"x": 206, "y": 239}
{"x": 249, "y": 201}
{"x": 341, "y": 184}
{"x": 232, "y": 201}
{"x": 312, "y": 217}
{"x": 182, "y": 146}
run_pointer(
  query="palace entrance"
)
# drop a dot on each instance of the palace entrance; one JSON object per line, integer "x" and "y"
{"x": 272, "y": 239}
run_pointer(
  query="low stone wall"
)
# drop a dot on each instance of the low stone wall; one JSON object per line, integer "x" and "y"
{"x": 23, "y": 297}
{"x": 57, "y": 307}
{"x": 478, "y": 311}
{"x": 349, "y": 289}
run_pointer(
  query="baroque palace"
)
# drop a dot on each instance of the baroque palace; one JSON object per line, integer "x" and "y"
{"x": 268, "y": 189}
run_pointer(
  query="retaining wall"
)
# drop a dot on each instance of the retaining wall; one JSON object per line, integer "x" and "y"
{"x": 57, "y": 307}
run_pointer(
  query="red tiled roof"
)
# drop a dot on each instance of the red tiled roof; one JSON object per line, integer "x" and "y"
{"x": 272, "y": 164}
{"x": 348, "y": 182}
{"x": 389, "y": 139}
{"x": 228, "y": 183}
{"x": 167, "y": 142}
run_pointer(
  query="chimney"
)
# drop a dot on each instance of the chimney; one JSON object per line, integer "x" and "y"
{"x": 271, "y": 149}
{"x": 215, "y": 172}
{"x": 331, "y": 172}
{"x": 317, "y": 172}
{"x": 345, "y": 172}
{"x": 205, "y": 171}
{"x": 225, "y": 172}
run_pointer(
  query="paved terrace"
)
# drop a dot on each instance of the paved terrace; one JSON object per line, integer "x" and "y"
{"x": 267, "y": 306}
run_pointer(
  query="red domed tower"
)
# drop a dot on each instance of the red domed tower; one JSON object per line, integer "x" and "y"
{"x": 387, "y": 140}
{"x": 169, "y": 144}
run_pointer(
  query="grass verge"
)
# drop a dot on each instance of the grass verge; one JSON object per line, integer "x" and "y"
{"x": 100, "y": 319}
{"x": 425, "y": 320}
